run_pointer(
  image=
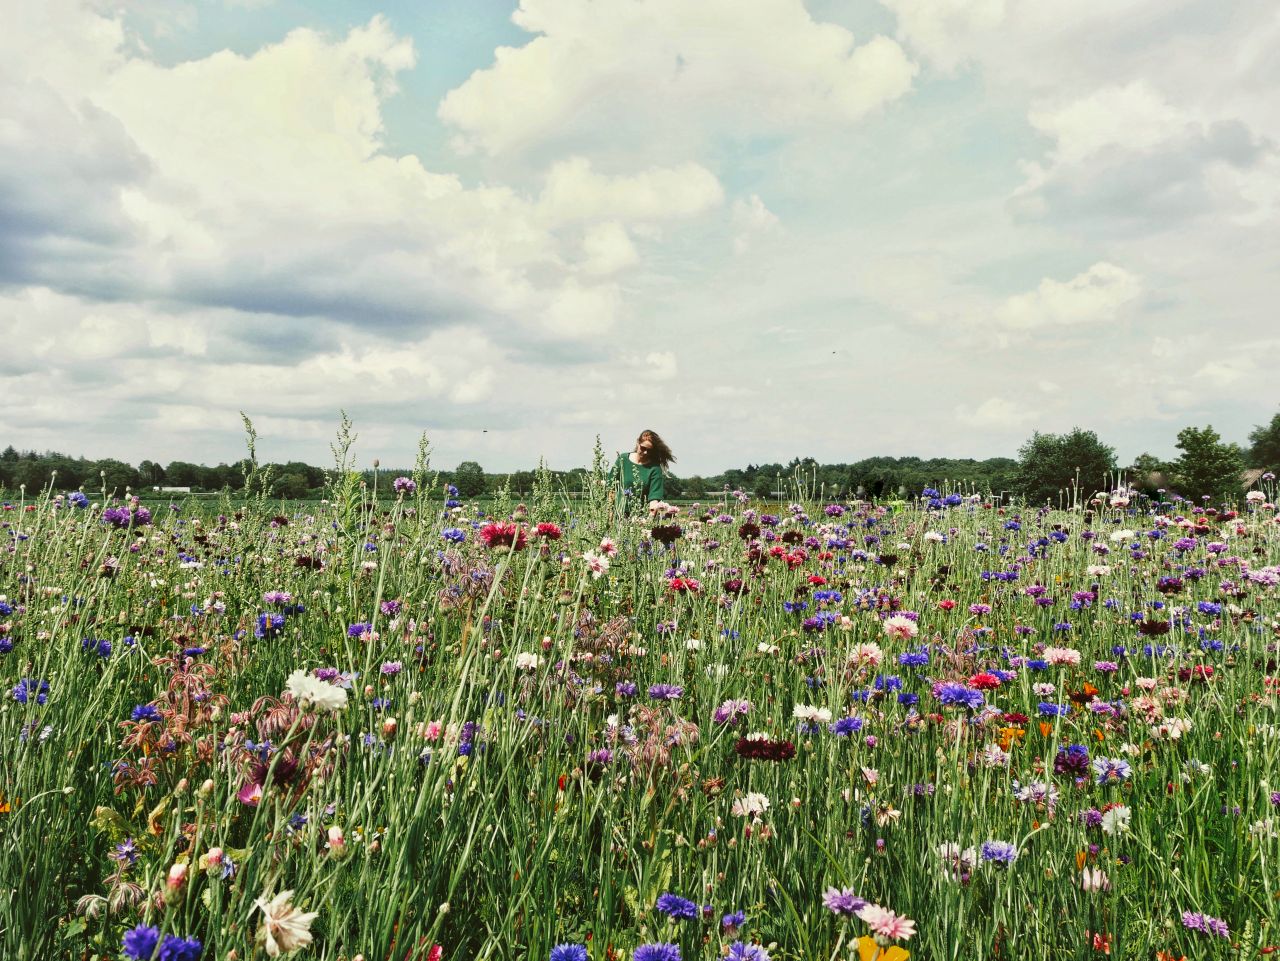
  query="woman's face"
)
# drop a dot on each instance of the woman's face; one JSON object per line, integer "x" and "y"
{"x": 644, "y": 446}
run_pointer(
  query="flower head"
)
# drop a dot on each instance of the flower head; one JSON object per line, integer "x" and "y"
{"x": 284, "y": 929}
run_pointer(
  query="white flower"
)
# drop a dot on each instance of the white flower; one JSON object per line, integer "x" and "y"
{"x": 764, "y": 647}
{"x": 1119, "y": 536}
{"x": 750, "y": 805}
{"x": 1256, "y": 497}
{"x": 1116, "y": 820}
{"x": 1043, "y": 689}
{"x": 598, "y": 564}
{"x": 305, "y": 686}
{"x": 807, "y": 712}
{"x": 934, "y": 537}
{"x": 1099, "y": 570}
{"x": 1095, "y": 879}
{"x": 693, "y": 644}
{"x": 284, "y": 929}
{"x": 526, "y": 661}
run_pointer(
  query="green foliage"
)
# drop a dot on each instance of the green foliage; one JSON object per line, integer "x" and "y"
{"x": 469, "y": 479}
{"x": 1264, "y": 445}
{"x": 1074, "y": 465}
{"x": 1207, "y": 467}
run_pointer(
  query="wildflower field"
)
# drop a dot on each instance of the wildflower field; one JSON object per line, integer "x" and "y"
{"x": 392, "y": 727}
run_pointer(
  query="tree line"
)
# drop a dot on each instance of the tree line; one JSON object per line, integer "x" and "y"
{"x": 1048, "y": 468}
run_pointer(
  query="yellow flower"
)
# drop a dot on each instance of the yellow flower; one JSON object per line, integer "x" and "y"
{"x": 868, "y": 950}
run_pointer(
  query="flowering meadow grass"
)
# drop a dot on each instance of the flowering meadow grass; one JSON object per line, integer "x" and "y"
{"x": 395, "y": 729}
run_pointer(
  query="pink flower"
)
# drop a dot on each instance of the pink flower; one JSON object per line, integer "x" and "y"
{"x": 900, "y": 628}
{"x": 885, "y": 924}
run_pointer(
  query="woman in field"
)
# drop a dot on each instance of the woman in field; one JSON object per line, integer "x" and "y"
{"x": 640, "y": 473}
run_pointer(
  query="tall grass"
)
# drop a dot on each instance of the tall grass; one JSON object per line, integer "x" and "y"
{"x": 456, "y": 801}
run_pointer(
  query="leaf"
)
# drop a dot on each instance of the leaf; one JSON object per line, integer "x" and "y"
{"x": 868, "y": 950}
{"x": 110, "y": 822}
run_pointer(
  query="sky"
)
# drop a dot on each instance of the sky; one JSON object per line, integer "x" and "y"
{"x": 764, "y": 229}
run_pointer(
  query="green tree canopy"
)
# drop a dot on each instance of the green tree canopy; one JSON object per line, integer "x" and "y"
{"x": 1264, "y": 449}
{"x": 469, "y": 479}
{"x": 1207, "y": 466}
{"x": 1050, "y": 463}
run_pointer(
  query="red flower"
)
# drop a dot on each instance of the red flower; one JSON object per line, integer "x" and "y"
{"x": 503, "y": 534}
{"x": 683, "y": 585}
{"x": 984, "y": 681}
{"x": 817, "y": 580}
{"x": 947, "y": 605}
{"x": 551, "y": 532}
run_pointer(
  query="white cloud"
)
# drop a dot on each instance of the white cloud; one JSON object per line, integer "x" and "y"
{"x": 751, "y": 219}
{"x": 996, "y": 413}
{"x": 686, "y": 69}
{"x": 607, "y": 248}
{"x": 574, "y": 191}
{"x": 1099, "y": 295}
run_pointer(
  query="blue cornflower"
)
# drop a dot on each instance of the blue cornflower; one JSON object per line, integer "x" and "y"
{"x": 735, "y": 920}
{"x": 78, "y": 499}
{"x": 846, "y": 726}
{"x": 145, "y": 712}
{"x": 676, "y": 907}
{"x": 1110, "y": 769}
{"x": 269, "y": 625}
{"x": 744, "y": 951}
{"x": 625, "y": 689}
{"x": 355, "y": 630}
{"x": 568, "y": 952}
{"x": 28, "y": 687}
{"x": 6, "y": 645}
{"x": 952, "y": 693}
{"x": 1001, "y": 852}
{"x": 1051, "y": 710}
{"x": 454, "y": 535}
{"x": 914, "y": 659}
{"x": 140, "y": 943}
{"x": 661, "y": 951}
{"x": 93, "y": 645}
{"x": 174, "y": 948}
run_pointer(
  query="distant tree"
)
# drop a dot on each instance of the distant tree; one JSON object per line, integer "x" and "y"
{"x": 181, "y": 474}
{"x": 1050, "y": 463}
{"x": 1207, "y": 466}
{"x": 150, "y": 473}
{"x": 115, "y": 475}
{"x": 469, "y": 479}
{"x": 291, "y": 486}
{"x": 1264, "y": 449}
{"x": 695, "y": 487}
{"x": 1149, "y": 473}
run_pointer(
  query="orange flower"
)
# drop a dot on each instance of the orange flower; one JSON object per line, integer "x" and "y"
{"x": 1045, "y": 728}
{"x": 868, "y": 950}
{"x": 1168, "y": 956}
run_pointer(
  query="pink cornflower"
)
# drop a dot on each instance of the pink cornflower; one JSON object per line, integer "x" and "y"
{"x": 885, "y": 924}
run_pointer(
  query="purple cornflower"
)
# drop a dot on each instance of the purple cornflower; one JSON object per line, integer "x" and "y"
{"x": 1195, "y": 921}
{"x": 731, "y": 922}
{"x": 390, "y": 608}
{"x": 731, "y": 710}
{"x": 392, "y": 668}
{"x": 744, "y": 951}
{"x": 625, "y": 689}
{"x": 676, "y": 907}
{"x": 842, "y": 901}
{"x": 666, "y": 692}
{"x": 568, "y": 952}
{"x": 404, "y": 485}
{"x": 355, "y": 630}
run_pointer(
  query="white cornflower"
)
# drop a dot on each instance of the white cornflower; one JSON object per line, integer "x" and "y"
{"x": 284, "y": 929}
{"x": 306, "y": 687}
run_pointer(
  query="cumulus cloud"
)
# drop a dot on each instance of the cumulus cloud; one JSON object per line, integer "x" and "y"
{"x": 1099, "y": 295}
{"x": 689, "y": 70}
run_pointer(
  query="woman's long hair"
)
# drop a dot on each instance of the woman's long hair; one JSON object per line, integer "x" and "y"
{"x": 660, "y": 449}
